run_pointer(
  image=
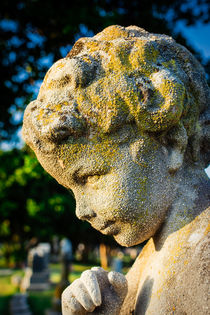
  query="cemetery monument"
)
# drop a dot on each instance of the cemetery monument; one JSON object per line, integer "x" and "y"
{"x": 123, "y": 121}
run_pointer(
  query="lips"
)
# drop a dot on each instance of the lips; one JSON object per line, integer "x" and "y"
{"x": 108, "y": 227}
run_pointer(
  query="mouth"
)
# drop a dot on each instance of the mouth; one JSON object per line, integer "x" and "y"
{"x": 108, "y": 228}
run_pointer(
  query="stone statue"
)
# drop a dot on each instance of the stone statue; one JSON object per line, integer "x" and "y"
{"x": 123, "y": 122}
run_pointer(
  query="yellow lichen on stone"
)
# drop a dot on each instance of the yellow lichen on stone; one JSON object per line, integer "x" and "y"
{"x": 47, "y": 118}
{"x": 130, "y": 81}
{"x": 103, "y": 152}
{"x": 113, "y": 32}
{"x": 143, "y": 55}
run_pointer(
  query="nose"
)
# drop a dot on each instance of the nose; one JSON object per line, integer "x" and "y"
{"x": 83, "y": 212}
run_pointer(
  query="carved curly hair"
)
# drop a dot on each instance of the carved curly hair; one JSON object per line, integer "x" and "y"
{"x": 124, "y": 76}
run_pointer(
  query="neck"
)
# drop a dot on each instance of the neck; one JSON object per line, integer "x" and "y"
{"x": 191, "y": 198}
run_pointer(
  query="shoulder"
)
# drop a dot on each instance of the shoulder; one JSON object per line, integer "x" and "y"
{"x": 188, "y": 265}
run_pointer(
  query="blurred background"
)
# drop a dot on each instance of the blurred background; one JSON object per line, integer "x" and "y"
{"x": 41, "y": 240}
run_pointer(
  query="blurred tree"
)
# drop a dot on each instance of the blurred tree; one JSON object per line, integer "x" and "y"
{"x": 35, "y": 33}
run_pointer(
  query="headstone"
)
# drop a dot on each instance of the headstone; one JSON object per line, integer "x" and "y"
{"x": 37, "y": 273}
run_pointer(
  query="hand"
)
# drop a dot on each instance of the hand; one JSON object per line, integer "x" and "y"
{"x": 95, "y": 292}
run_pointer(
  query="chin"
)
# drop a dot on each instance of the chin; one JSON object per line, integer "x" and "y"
{"x": 129, "y": 240}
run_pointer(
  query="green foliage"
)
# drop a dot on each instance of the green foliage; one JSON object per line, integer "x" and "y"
{"x": 30, "y": 196}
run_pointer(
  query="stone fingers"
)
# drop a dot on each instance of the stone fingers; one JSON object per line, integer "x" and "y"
{"x": 90, "y": 281}
{"x": 119, "y": 283}
{"x": 76, "y": 299}
{"x": 70, "y": 305}
{"x": 116, "y": 279}
{"x": 100, "y": 272}
{"x": 80, "y": 291}
{"x": 96, "y": 287}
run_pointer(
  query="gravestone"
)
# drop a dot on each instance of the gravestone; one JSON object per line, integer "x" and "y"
{"x": 37, "y": 273}
{"x": 19, "y": 305}
{"x": 123, "y": 121}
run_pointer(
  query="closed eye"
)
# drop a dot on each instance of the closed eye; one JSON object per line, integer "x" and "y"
{"x": 89, "y": 176}
{"x": 86, "y": 179}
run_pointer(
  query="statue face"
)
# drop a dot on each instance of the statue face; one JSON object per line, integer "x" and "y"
{"x": 123, "y": 189}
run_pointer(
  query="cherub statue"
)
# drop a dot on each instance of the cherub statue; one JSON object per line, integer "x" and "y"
{"x": 122, "y": 122}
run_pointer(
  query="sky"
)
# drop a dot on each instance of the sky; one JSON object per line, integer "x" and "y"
{"x": 198, "y": 36}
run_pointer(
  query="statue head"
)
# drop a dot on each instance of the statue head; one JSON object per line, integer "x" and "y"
{"x": 115, "y": 121}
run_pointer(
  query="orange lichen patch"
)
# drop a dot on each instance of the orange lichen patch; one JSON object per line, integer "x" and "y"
{"x": 177, "y": 249}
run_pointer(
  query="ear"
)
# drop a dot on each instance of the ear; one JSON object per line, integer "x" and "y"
{"x": 177, "y": 140}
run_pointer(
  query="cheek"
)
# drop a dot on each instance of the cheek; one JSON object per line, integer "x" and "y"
{"x": 161, "y": 187}
{"x": 114, "y": 202}
{"x": 107, "y": 197}
{"x": 155, "y": 182}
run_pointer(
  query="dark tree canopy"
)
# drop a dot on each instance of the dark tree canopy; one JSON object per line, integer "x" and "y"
{"x": 36, "y": 33}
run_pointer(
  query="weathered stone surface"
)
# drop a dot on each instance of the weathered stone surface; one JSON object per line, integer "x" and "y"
{"x": 123, "y": 122}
